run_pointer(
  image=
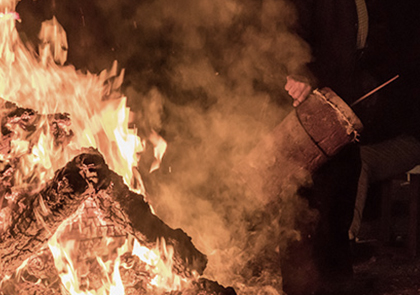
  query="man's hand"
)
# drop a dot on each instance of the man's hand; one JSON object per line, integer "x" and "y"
{"x": 299, "y": 91}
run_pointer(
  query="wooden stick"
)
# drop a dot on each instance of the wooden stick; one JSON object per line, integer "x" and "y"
{"x": 374, "y": 90}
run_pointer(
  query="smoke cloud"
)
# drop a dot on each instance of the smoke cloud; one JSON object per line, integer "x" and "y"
{"x": 207, "y": 75}
{"x": 220, "y": 79}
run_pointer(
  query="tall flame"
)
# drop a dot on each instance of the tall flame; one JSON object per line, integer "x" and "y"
{"x": 98, "y": 112}
{"x": 93, "y": 113}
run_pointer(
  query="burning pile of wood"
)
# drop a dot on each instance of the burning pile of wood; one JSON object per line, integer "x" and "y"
{"x": 92, "y": 206}
{"x": 70, "y": 224}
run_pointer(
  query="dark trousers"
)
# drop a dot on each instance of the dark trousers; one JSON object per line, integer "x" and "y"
{"x": 323, "y": 254}
{"x": 333, "y": 195}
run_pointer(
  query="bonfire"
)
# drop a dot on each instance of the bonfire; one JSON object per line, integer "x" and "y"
{"x": 74, "y": 217}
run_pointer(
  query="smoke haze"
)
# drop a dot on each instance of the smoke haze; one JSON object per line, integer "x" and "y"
{"x": 207, "y": 75}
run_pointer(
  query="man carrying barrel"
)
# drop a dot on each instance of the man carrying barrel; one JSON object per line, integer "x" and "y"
{"x": 356, "y": 45}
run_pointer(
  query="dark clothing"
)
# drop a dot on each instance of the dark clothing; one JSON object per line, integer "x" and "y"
{"x": 331, "y": 29}
{"x": 334, "y": 195}
{"x": 322, "y": 259}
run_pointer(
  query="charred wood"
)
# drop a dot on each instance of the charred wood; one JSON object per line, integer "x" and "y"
{"x": 40, "y": 277}
{"x": 28, "y": 219}
{"x": 130, "y": 211}
{"x": 36, "y": 218}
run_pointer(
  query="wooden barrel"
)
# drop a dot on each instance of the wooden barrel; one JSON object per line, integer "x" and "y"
{"x": 329, "y": 122}
{"x": 315, "y": 131}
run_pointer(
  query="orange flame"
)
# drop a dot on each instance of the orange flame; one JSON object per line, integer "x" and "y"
{"x": 37, "y": 82}
{"x": 157, "y": 261}
{"x": 99, "y": 118}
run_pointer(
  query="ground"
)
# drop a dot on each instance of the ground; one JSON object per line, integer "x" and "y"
{"x": 384, "y": 266}
{"x": 386, "y": 270}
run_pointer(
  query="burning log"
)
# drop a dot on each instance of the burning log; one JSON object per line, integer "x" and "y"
{"x": 28, "y": 219}
{"x": 130, "y": 211}
{"x": 36, "y": 217}
{"x": 23, "y": 230}
{"x": 39, "y": 216}
{"x": 42, "y": 205}
{"x": 24, "y": 122}
{"x": 39, "y": 276}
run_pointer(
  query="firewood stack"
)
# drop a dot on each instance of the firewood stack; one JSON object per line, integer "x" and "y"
{"x": 92, "y": 204}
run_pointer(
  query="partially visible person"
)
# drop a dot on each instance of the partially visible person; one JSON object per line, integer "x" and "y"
{"x": 401, "y": 151}
{"x": 356, "y": 46}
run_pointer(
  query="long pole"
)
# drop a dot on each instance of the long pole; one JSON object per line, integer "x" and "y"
{"x": 374, "y": 90}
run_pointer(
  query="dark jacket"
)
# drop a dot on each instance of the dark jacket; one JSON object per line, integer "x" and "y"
{"x": 330, "y": 27}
